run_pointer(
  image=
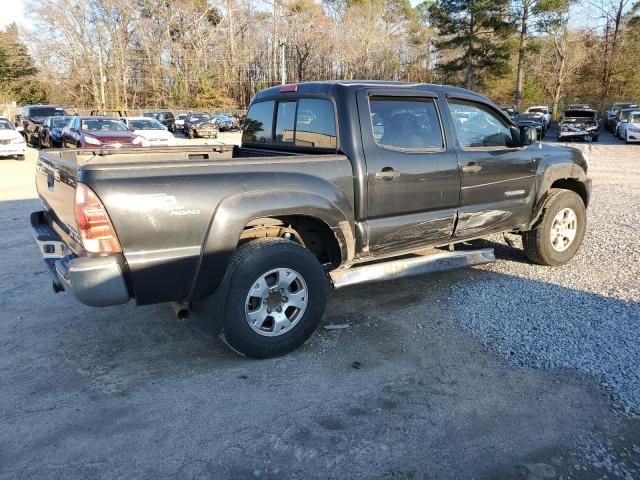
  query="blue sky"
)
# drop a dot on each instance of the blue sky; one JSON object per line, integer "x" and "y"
{"x": 12, "y": 11}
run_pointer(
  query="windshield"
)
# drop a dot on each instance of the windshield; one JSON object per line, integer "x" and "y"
{"x": 182, "y": 116}
{"x": 634, "y": 117}
{"x": 198, "y": 117}
{"x": 47, "y": 112}
{"x": 150, "y": 124}
{"x": 537, "y": 110}
{"x": 59, "y": 122}
{"x": 103, "y": 125}
{"x": 579, "y": 114}
{"x": 5, "y": 125}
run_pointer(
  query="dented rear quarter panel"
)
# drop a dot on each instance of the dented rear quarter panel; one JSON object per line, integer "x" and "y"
{"x": 195, "y": 211}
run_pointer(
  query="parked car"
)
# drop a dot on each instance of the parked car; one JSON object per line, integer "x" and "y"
{"x": 50, "y": 132}
{"x": 544, "y": 111}
{"x": 154, "y": 133}
{"x": 91, "y": 132}
{"x": 12, "y": 143}
{"x": 249, "y": 239}
{"x": 165, "y": 117}
{"x": 621, "y": 117}
{"x": 534, "y": 122}
{"x": 629, "y": 127}
{"x": 200, "y": 125}
{"x": 610, "y": 114}
{"x": 537, "y": 120}
{"x": 179, "y": 122}
{"x": 32, "y": 118}
{"x": 579, "y": 123}
{"x": 509, "y": 111}
{"x": 225, "y": 122}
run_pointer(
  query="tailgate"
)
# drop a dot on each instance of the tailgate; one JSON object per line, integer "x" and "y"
{"x": 56, "y": 176}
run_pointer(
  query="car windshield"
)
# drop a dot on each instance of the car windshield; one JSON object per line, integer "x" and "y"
{"x": 102, "y": 124}
{"x": 5, "y": 124}
{"x": 182, "y": 116}
{"x": 579, "y": 114}
{"x": 537, "y": 110}
{"x": 634, "y": 117}
{"x": 198, "y": 117}
{"x": 59, "y": 122}
{"x": 47, "y": 112}
{"x": 148, "y": 124}
{"x": 150, "y": 114}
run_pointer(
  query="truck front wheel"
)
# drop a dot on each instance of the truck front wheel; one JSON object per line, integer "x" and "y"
{"x": 277, "y": 296}
{"x": 559, "y": 234}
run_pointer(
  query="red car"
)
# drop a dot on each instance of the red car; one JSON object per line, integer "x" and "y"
{"x": 91, "y": 132}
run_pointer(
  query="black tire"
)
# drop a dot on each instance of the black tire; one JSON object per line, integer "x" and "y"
{"x": 249, "y": 263}
{"x": 537, "y": 242}
{"x": 191, "y": 134}
{"x": 20, "y": 158}
{"x": 594, "y": 138}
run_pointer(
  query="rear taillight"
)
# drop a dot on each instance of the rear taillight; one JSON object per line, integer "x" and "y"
{"x": 96, "y": 231}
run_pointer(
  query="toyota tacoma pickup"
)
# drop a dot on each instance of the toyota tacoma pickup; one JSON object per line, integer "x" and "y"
{"x": 334, "y": 184}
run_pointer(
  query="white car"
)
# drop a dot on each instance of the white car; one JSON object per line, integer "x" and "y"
{"x": 629, "y": 128}
{"x": 152, "y": 132}
{"x": 541, "y": 109}
{"x": 12, "y": 143}
{"x": 180, "y": 120}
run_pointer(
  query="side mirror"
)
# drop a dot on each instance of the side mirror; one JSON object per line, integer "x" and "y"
{"x": 528, "y": 136}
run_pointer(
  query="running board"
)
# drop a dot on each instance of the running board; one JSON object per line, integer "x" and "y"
{"x": 410, "y": 267}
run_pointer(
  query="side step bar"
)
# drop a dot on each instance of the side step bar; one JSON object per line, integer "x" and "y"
{"x": 410, "y": 267}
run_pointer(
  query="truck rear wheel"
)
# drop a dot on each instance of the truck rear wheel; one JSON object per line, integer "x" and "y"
{"x": 277, "y": 296}
{"x": 559, "y": 235}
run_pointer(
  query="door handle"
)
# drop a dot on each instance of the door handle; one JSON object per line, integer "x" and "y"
{"x": 387, "y": 174}
{"x": 471, "y": 168}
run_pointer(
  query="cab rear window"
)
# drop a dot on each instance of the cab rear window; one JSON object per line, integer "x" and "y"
{"x": 306, "y": 122}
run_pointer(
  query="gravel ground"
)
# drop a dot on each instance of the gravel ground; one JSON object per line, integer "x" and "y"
{"x": 584, "y": 315}
{"x": 129, "y": 392}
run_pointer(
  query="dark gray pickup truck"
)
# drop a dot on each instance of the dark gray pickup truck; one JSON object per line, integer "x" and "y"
{"x": 335, "y": 183}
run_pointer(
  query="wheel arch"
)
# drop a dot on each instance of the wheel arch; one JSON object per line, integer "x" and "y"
{"x": 236, "y": 213}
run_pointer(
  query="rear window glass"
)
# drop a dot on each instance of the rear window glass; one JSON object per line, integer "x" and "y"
{"x": 285, "y": 121}
{"x": 259, "y": 123}
{"x": 316, "y": 124}
{"x": 307, "y": 122}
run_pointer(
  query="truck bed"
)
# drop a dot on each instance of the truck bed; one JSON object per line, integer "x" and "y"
{"x": 161, "y": 201}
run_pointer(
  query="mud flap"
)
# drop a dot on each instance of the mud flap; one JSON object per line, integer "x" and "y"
{"x": 207, "y": 314}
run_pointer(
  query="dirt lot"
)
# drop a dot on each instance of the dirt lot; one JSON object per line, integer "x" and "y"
{"x": 129, "y": 392}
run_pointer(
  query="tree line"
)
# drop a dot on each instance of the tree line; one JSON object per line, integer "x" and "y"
{"x": 215, "y": 54}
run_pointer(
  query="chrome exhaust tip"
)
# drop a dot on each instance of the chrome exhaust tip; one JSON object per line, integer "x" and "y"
{"x": 181, "y": 310}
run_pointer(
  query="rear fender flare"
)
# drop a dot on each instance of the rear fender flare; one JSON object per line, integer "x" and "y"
{"x": 236, "y": 211}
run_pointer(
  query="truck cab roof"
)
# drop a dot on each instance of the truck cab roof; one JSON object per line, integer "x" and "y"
{"x": 328, "y": 87}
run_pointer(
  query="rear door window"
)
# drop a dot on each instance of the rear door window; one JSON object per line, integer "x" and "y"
{"x": 406, "y": 123}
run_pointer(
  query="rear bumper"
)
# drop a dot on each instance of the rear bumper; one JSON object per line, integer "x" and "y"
{"x": 13, "y": 149}
{"x": 94, "y": 281}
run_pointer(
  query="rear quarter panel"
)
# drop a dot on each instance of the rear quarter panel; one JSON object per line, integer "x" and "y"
{"x": 163, "y": 212}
